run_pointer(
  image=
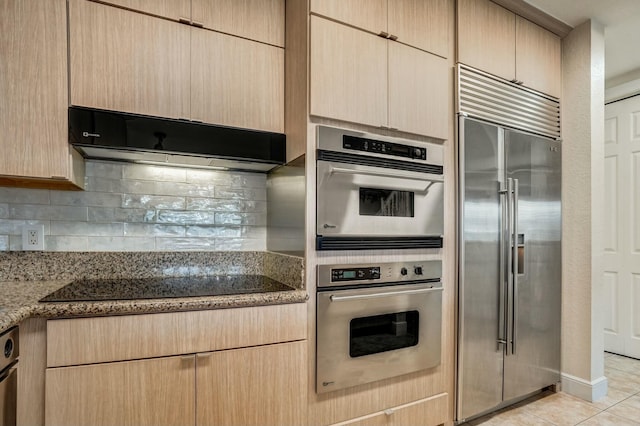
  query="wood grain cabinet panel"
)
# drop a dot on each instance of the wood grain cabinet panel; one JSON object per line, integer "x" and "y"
{"x": 34, "y": 94}
{"x": 125, "y": 61}
{"x": 538, "y": 58}
{"x": 259, "y": 386}
{"x": 418, "y": 91}
{"x": 150, "y": 392}
{"x": 419, "y": 23}
{"x": 427, "y": 411}
{"x": 172, "y": 9}
{"x": 487, "y": 37}
{"x": 237, "y": 82}
{"x": 261, "y": 20}
{"x": 348, "y": 74}
{"x": 424, "y": 24}
{"x": 370, "y": 15}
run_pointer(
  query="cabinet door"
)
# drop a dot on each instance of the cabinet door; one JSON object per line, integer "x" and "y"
{"x": 487, "y": 37}
{"x": 150, "y": 392}
{"x": 538, "y": 57}
{"x": 424, "y": 24}
{"x": 236, "y": 82}
{"x": 348, "y": 74}
{"x": 419, "y": 91}
{"x": 127, "y": 61}
{"x": 33, "y": 89}
{"x": 370, "y": 15}
{"x": 261, "y": 386}
{"x": 261, "y": 20}
{"x": 172, "y": 9}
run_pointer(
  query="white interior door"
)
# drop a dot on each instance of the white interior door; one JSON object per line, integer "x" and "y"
{"x": 622, "y": 233}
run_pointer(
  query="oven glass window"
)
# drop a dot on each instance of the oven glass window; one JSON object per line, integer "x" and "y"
{"x": 386, "y": 202}
{"x": 382, "y": 333}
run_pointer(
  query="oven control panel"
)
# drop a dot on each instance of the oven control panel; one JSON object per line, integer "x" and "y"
{"x": 379, "y": 273}
{"x": 383, "y": 147}
{"x": 355, "y": 274}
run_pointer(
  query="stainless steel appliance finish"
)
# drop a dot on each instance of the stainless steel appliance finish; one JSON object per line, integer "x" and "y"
{"x": 376, "y": 321}
{"x": 509, "y": 266}
{"x": 8, "y": 377}
{"x": 379, "y": 189}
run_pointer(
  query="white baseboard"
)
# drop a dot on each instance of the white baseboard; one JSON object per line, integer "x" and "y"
{"x": 589, "y": 391}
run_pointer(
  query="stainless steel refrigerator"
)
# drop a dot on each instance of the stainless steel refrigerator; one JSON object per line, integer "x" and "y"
{"x": 509, "y": 266}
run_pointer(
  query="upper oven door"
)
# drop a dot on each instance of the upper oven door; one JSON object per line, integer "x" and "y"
{"x": 358, "y": 200}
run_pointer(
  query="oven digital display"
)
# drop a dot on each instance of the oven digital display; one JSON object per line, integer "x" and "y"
{"x": 348, "y": 274}
{"x": 386, "y": 202}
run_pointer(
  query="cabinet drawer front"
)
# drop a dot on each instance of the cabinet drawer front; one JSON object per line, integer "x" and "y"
{"x": 429, "y": 411}
{"x": 105, "y": 339}
{"x": 148, "y": 392}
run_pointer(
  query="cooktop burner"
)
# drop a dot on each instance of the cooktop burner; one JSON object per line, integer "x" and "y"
{"x": 163, "y": 287}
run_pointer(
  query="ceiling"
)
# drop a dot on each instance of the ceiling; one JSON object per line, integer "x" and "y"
{"x": 621, "y": 19}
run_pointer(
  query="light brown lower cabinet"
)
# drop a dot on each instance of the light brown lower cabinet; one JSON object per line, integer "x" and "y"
{"x": 427, "y": 411}
{"x": 153, "y": 392}
{"x": 262, "y": 385}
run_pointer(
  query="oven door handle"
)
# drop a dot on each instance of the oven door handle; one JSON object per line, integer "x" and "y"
{"x": 335, "y": 298}
{"x": 421, "y": 177}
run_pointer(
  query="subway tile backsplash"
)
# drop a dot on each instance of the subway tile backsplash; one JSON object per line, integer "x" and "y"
{"x": 135, "y": 207}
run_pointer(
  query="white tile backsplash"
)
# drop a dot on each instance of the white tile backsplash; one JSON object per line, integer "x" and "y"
{"x": 135, "y": 207}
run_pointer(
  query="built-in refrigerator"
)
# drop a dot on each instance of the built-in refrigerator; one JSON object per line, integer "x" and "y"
{"x": 509, "y": 266}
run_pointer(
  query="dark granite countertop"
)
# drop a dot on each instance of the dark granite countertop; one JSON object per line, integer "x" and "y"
{"x": 20, "y": 300}
{"x": 119, "y": 283}
{"x": 90, "y": 290}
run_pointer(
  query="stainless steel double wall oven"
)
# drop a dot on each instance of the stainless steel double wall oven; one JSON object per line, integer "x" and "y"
{"x": 376, "y": 321}
{"x": 376, "y": 192}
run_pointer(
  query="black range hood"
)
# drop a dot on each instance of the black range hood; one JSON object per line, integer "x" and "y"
{"x": 100, "y": 134}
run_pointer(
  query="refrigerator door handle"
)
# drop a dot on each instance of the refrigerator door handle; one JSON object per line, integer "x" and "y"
{"x": 504, "y": 234}
{"x": 514, "y": 267}
{"x": 509, "y": 267}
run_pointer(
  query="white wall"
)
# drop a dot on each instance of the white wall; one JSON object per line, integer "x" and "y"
{"x": 582, "y": 216}
{"x": 135, "y": 207}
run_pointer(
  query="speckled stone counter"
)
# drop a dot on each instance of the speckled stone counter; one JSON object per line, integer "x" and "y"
{"x": 19, "y": 295}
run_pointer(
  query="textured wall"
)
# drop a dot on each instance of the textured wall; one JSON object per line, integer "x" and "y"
{"x": 135, "y": 207}
{"x": 582, "y": 189}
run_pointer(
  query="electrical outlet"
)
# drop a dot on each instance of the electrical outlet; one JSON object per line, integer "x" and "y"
{"x": 33, "y": 237}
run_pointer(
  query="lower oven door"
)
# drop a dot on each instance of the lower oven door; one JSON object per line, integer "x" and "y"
{"x": 358, "y": 200}
{"x": 364, "y": 335}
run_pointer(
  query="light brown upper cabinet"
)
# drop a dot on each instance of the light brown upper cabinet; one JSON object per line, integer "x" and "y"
{"x": 538, "y": 58}
{"x": 419, "y": 23}
{"x": 34, "y": 151}
{"x": 361, "y": 78}
{"x": 132, "y": 62}
{"x": 260, "y": 20}
{"x": 497, "y": 41}
{"x": 237, "y": 82}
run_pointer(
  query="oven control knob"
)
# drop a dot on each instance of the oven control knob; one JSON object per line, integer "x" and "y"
{"x": 403, "y": 271}
{"x": 417, "y": 153}
{"x": 417, "y": 270}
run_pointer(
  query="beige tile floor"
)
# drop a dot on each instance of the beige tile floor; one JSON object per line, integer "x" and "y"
{"x": 621, "y": 407}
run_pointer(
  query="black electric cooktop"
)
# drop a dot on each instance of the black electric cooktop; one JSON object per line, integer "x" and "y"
{"x": 85, "y": 290}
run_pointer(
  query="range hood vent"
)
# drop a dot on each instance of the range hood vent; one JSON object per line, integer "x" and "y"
{"x": 100, "y": 134}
